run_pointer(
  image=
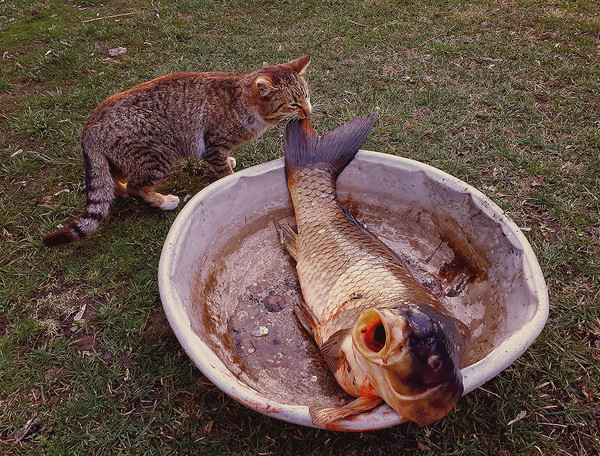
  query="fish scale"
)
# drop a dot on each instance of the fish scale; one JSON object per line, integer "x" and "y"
{"x": 349, "y": 259}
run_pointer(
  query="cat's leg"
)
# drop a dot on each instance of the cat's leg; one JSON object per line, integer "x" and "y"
{"x": 120, "y": 180}
{"x": 220, "y": 161}
{"x": 155, "y": 199}
{"x": 152, "y": 168}
{"x": 121, "y": 189}
{"x": 120, "y": 186}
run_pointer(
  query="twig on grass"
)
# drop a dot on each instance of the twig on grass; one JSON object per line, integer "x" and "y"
{"x": 356, "y": 23}
{"x": 25, "y": 430}
{"x": 490, "y": 392}
{"x": 108, "y": 17}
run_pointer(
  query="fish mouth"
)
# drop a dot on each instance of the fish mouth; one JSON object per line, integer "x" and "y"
{"x": 427, "y": 407}
{"x": 403, "y": 398}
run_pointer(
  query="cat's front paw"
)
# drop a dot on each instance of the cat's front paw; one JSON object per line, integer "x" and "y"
{"x": 169, "y": 203}
{"x": 231, "y": 162}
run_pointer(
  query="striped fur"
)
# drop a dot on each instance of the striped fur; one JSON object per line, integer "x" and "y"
{"x": 133, "y": 138}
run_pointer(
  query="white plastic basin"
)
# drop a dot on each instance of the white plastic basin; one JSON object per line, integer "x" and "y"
{"x": 225, "y": 280}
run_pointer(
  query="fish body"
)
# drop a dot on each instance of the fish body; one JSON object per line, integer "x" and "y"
{"x": 384, "y": 336}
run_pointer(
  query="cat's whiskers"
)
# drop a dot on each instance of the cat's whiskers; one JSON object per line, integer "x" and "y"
{"x": 287, "y": 117}
{"x": 317, "y": 110}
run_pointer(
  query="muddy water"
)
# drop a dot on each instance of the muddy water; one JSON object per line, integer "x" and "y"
{"x": 245, "y": 303}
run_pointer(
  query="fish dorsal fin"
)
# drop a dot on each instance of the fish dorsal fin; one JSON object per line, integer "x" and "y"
{"x": 387, "y": 252}
{"x": 337, "y": 148}
{"x": 350, "y": 217}
{"x": 332, "y": 349}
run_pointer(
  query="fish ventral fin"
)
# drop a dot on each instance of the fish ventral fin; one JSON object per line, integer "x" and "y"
{"x": 321, "y": 416}
{"x": 303, "y": 146}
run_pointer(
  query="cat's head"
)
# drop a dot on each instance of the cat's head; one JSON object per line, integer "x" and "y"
{"x": 281, "y": 92}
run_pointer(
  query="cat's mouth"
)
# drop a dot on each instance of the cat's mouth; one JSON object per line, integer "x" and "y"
{"x": 305, "y": 110}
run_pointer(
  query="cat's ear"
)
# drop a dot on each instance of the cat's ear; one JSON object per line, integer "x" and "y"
{"x": 264, "y": 85}
{"x": 300, "y": 65}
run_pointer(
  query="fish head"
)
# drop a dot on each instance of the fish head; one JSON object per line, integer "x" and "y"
{"x": 412, "y": 355}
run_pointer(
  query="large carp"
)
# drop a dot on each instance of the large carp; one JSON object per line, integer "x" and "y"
{"x": 383, "y": 335}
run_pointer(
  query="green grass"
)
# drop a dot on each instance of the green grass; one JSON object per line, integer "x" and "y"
{"x": 503, "y": 95}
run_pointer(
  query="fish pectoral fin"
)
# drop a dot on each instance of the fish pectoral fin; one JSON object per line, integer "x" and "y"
{"x": 306, "y": 317}
{"x": 322, "y": 415}
{"x": 332, "y": 349}
{"x": 288, "y": 238}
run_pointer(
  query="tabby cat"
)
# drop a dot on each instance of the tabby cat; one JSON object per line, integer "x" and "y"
{"x": 133, "y": 138}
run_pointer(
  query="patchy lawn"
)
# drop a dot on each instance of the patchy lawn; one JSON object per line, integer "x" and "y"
{"x": 503, "y": 95}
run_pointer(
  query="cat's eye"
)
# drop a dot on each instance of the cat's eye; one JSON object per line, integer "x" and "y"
{"x": 294, "y": 105}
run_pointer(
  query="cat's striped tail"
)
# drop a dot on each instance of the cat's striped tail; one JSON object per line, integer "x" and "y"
{"x": 100, "y": 191}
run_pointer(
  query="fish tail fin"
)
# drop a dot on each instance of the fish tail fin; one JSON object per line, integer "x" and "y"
{"x": 100, "y": 191}
{"x": 336, "y": 149}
